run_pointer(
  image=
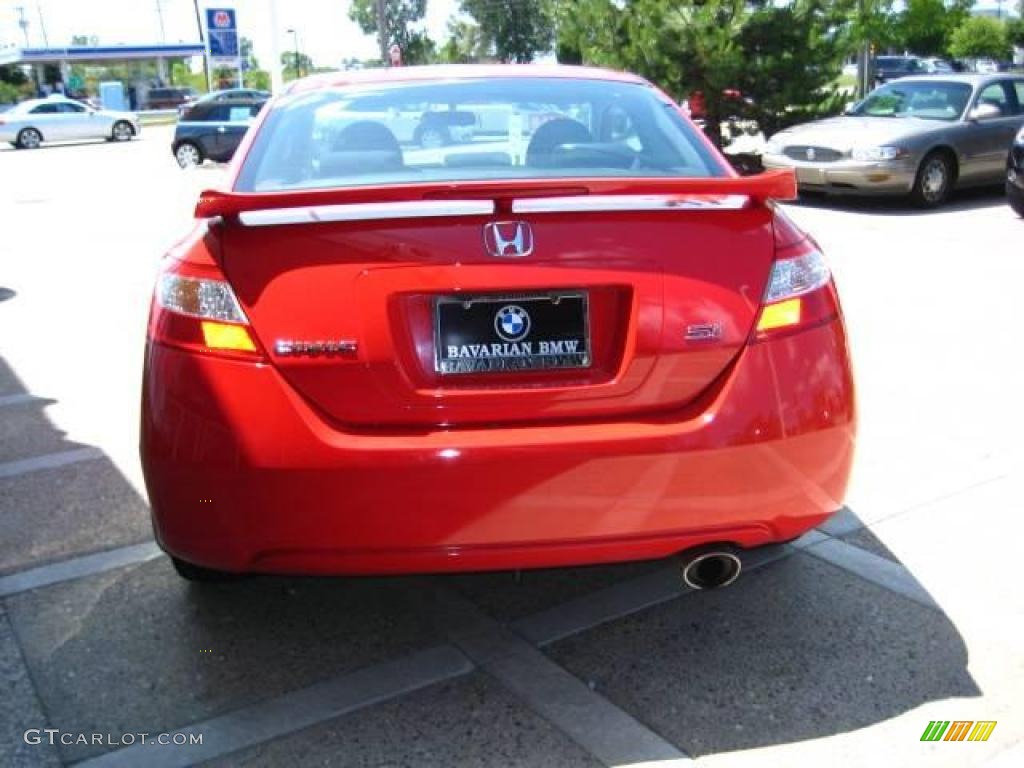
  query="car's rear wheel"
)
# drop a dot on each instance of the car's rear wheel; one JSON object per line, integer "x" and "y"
{"x": 934, "y": 180}
{"x": 1015, "y": 197}
{"x": 122, "y": 131}
{"x": 188, "y": 155}
{"x": 192, "y": 572}
{"x": 29, "y": 138}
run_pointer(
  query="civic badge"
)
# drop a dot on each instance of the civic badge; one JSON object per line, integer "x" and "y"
{"x": 508, "y": 239}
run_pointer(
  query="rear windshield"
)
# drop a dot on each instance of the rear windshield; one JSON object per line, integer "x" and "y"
{"x": 465, "y": 130}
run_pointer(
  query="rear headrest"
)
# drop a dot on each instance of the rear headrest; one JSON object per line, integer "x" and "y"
{"x": 366, "y": 135}
{"x": 551, "y": 135}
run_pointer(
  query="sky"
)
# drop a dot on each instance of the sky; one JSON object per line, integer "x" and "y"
{"x": 324, "y": 29}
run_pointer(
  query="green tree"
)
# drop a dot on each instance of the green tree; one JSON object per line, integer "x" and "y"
{"x": 784, "y": 60}
{"x": 465, "y": 44}
{"x": 1015, "y": 31}
{"x": 926, "y": 26}
{"x": 517, "y": 29}
{"x": 980, "y": 36}
{"x": 295, "y": 65}
{"x": 400, "y": 18}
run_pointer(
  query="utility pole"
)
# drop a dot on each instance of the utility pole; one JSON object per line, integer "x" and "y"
{"x": 276, "y": 81}
{"x": 202, "y": 39}
{"x": 23, "y": 23}
{"x": 160, "y": 18}
{"x": 42, "y": 25}
{"x": 382, "y": 29}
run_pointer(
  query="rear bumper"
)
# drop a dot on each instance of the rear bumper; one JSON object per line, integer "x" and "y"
{"x": 244, "y": 475}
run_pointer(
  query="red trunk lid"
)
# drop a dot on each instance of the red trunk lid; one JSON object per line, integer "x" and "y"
{"x": 671, "y": 297}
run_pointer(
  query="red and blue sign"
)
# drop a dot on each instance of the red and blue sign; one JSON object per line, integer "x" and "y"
{"x": 222, "y": 33}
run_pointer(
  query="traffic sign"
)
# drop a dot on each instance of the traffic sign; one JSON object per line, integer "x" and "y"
{"x": 222, "y": 34}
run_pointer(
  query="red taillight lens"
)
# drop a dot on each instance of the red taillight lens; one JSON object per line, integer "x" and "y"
{"x": 195, "y": 308}
{"x": 800, "y": 293}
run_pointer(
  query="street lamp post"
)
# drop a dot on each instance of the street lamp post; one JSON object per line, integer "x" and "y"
{"x": 295, "y": 40}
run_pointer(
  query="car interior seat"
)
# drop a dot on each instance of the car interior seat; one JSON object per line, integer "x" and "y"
{"x": 549, "y": 137}
{"x": 362, "y": 147}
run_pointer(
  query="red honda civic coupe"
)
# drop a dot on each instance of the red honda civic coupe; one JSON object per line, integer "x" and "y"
{"x": 568, "y": 333}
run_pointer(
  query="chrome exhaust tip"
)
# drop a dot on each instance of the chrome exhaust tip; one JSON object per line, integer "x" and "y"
{"x": 710, "y": 568}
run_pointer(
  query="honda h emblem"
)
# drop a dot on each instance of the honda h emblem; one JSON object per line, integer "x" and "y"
{"x": 509, "y": 239}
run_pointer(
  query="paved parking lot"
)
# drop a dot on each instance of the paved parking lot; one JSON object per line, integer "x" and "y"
{"x": 838, "y": 649}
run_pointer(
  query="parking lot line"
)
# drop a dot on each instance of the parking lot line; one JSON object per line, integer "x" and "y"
{"x": 871, "y": 567}
{"x": 607, "y": 732}
{"x": 20, "y": 399}
{"x": 622, "y": 599}
{"x": 77, "y": 567}
{"x": 49, "y": 461}
{"x": 294, "y": 711}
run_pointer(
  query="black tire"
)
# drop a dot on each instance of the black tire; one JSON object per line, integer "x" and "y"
{"x": 433, "y": 136}
{"x": 122, "y": 130}
{"x": 196, "y": 573}
{"x": 188, "y": 154}
{"x": 29, "y": 138}
{"x": 934, "y": 181}
{"x": 1015, "y": 197}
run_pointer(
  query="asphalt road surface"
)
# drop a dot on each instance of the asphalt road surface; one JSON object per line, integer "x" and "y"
{"x": 904, "y": 608}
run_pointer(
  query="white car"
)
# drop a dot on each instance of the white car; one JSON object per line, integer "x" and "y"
{"x": 30, "y": 123}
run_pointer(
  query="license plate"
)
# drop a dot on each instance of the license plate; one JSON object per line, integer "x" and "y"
{"x": 484, "y": 334}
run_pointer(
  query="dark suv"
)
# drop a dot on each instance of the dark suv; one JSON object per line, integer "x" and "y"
{"x": 213, "y": 130}
{"x": 169, "y": 98}
{"x": 891, "y": 67}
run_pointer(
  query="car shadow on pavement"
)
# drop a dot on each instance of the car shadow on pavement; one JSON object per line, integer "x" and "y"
{"x": 960, "y": 200}
{"x": 798, "y": 648}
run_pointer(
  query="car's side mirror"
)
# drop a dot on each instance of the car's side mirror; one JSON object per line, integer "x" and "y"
{"x": 984, "y": 112}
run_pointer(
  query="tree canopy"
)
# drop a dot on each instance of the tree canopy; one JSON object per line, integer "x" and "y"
{"x": 980, "y": 36}
{"x": 516, "y": 29}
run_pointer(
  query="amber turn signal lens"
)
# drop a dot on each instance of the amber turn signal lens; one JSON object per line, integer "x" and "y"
{"x": 227, "y": 336}
{"x": 780, "y": 315}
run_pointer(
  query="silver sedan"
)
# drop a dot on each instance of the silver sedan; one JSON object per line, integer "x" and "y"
{"x": 30, "y": 123}
{"x": 917, "y": 136}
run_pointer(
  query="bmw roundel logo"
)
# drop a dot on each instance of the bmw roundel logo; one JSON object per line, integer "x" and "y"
{"x": 512, "y": 323}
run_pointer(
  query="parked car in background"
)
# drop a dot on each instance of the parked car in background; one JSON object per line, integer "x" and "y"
{"x": 936, "y": 66}
{"x": 1015, "y": 174}
{"x": 429, "y": 125}
{"x": 892, "y": 67}
{"x": 169, "y": 98}
{"x": 31, "y": 123}
{"x": 228, "y": 94}
{"x": 212, "y": 130}
{"x": 986, "y": 66}
{"x": 918, "y": 136}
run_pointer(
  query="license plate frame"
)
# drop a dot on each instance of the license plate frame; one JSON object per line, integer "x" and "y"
{"x": 539, "y": 349}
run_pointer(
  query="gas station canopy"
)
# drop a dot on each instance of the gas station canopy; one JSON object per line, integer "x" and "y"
{"x": 99, "y": 53}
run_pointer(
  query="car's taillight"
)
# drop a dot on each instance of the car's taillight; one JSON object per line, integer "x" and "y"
{"x": 195, "y": 308}
{"x": 800, "y": 292}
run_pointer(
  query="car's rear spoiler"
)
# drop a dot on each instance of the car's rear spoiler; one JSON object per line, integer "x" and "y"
{"x": 771, "y": 185}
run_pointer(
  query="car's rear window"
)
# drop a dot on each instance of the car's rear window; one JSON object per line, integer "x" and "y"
{"x": 459, "y": 130}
